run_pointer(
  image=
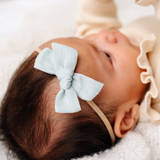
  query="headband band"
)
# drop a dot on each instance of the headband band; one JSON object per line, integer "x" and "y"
{"x": 104, "y": 120}
{"x": 43, "y": 63}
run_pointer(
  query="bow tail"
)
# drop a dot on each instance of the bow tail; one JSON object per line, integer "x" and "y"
{"x": 67, "y": 101}
{"x": 86, "y": 87}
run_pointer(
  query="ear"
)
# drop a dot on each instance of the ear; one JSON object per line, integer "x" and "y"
{"x": 126, "y": 120}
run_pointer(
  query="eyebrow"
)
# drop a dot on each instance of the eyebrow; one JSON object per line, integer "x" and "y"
{"x": 90, "y": 45}
{"x": 74, "y": 37}
{"x": 93, "y": 47}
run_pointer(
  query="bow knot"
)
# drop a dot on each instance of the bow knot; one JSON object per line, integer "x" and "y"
{"x": 65, "y": 77}
{"x": 61, "y": 61}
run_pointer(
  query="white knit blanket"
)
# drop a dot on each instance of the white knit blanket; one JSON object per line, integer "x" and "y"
{"x": 36, "y": 21}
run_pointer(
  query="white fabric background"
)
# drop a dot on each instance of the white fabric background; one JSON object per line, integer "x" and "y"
{"x": 26, "y": 24}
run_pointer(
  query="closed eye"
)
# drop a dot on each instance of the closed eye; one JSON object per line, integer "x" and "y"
{"x": 109, "y": 57}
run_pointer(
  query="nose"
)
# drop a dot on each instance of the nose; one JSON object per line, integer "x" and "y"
{"x": 105, "y": 35}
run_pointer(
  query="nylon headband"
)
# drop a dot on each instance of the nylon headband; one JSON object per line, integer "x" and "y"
{"x": 99, "y": 113}
{"x": 104, "y": 120}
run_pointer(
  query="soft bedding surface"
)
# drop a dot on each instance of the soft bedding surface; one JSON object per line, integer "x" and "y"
{"x": 26, "y": 24}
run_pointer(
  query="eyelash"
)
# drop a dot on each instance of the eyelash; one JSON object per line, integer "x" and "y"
{"x": 109, "y": 57}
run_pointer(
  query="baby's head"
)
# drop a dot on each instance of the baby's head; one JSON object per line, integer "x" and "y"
{"x": 29, "y": 122}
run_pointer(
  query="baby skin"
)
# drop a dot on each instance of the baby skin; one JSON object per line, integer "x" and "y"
{"x": 111, "y": 59}
{"x": 32, "y": 127}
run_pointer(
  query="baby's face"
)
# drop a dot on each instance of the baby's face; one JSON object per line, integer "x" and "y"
{"x": 110, "y": 58}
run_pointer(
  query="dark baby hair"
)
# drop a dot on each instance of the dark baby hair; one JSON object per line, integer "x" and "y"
{"x": 33, "y": 130}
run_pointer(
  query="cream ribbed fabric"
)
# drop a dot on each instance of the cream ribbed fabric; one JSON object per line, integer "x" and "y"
{"x": 155, "y": 3}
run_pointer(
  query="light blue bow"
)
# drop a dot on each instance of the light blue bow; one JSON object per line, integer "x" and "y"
{"x": 61, "y": 61}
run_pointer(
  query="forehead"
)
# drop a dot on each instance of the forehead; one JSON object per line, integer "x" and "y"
{"x": 86, "y": 58}
{"x": 89, "y": 63}
{"x": 71, "y": 42}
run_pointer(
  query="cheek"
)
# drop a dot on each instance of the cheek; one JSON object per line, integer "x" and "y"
{"x": 127, "y": 76}
{"x": 127, "y": 66}
{"x": 131, "y": 84}
{"x": 128, "y": 73}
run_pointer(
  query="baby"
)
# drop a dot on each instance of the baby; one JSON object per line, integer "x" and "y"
{"x": 74, "y": 97}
